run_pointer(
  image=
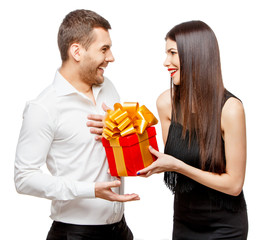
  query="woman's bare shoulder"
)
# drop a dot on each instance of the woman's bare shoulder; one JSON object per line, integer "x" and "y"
{"x": 164, "y": 99}
{"x": 232, "y": 112}
{"x": 164, "y": 105}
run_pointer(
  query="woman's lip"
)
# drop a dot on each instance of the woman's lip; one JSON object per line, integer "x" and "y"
{"x": 173, "y": 73}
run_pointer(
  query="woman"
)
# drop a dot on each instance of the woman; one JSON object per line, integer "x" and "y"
{"x": 204, "y": 133}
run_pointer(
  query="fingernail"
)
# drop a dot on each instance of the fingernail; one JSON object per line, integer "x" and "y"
{"x": 138, "y": 173}
{"x": 150, "y": 146}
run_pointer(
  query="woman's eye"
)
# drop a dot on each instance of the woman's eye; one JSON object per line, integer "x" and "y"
{"x": 173, "y": 52}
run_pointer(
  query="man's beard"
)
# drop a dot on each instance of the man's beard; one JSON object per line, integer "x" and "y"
{"x": 91, "y": 77}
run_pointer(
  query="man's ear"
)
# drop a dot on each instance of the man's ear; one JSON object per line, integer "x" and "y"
{"x": 74, "y": 51}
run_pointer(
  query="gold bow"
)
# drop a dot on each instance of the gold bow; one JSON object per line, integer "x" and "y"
{"x": 127, "y": 119}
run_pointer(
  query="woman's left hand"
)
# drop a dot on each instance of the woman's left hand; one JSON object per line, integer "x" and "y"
{"x": 163, "y": 163}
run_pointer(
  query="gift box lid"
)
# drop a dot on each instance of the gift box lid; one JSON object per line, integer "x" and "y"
{"x": 129, "y": 140}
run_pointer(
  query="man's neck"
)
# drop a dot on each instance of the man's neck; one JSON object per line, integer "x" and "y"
{"x": 72, "y": 76}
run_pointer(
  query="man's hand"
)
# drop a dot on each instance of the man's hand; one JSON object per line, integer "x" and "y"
{"x": 103, "y": 190}
{"x": 96, "y": 123}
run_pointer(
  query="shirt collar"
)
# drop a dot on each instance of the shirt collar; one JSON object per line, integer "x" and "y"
{"x": 63, "y": 87}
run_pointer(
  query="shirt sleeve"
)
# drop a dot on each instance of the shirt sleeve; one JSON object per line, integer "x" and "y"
{"x": 35, "y": 139}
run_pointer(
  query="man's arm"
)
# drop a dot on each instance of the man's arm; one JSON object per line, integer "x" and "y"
{"x": 34, "y": 143}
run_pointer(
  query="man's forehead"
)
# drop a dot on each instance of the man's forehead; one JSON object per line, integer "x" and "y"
{"x": 102, "y": 37}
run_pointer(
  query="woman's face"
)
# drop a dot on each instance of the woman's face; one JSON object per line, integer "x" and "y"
{"x": 172, "y": 61}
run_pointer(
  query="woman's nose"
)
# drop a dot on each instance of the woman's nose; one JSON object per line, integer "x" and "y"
{"x": 166, "y": 62}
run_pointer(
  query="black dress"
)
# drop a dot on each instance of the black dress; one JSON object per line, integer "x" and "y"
{"x": 201, "y": 213}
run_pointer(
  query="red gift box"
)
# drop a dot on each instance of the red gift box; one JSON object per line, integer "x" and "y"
{"x": 129, "y": 154}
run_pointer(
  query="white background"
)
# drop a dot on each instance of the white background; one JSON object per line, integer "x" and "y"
{"x": 30, "y": 57}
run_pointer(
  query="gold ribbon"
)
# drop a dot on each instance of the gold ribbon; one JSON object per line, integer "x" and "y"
{"x": 144, "y": 144}
{"x": 119, "y": 157}
{"x": 127, "y": 119}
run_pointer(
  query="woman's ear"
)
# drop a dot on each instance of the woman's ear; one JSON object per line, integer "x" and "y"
{"x": 74, "y": 51}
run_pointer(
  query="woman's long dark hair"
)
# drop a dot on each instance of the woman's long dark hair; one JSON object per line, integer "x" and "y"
{"x": 201, "y": 90}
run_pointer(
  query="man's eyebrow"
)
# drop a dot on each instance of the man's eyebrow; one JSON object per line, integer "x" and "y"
{"x": 106, "y": 46}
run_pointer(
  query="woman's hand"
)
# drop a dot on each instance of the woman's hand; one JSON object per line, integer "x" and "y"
{"x": 164, "y": 163}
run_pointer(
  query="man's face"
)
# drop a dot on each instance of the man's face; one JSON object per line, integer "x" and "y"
{"x": 96, "y": 58}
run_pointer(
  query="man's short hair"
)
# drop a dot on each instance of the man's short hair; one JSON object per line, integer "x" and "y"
{"x": 77, "y": 27}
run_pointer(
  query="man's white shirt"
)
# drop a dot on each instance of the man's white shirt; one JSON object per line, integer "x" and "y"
{"x": 54, "y": 133}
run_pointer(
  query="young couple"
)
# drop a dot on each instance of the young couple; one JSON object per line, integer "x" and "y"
{"x": 203, "y": 128}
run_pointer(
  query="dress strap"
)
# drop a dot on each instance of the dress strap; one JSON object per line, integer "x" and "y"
{"x": 228, "y": 95}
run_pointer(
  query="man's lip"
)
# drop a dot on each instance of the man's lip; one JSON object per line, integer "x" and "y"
{"x": 102, "y": 69}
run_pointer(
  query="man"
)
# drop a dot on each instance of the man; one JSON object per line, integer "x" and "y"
{"x": 87, "y": 203}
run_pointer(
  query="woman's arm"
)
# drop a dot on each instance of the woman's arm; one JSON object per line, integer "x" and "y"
{"x": 234, "y": 134}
